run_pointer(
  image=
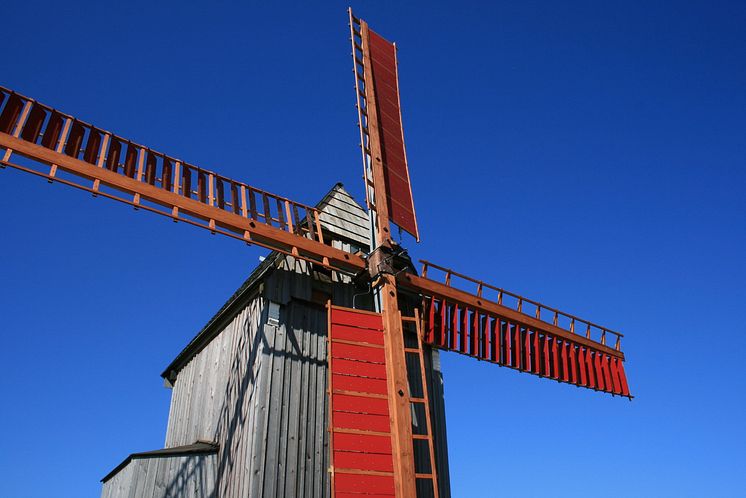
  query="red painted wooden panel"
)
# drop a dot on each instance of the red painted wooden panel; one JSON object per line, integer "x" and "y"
{"x": 363, "y": 461}
{"x": 348, "y": 333}
{"x": 475, "y": 336}
{"x": 360, "y": 404}
{"x": 464, "y": 329}
{"x": 622, "y": 377}
{"x": 607, "y": 375}
{"x": 573, "y": 365}
{"x": 364, "y": 452}
{"x": 443, "y": 322}
{"x": 581, "y": 367}
{"x": 358, "y": 368}
{"x": 430, "y": 328}
{"x": 363, "y": 353}
{"x": 555, "y": 359}
{"x": 588, "y": 358}
{"x": 362, "y": 442}
{"x": 454, "y": 327}
{"x": 357, "y": 495}
{"x": 359, "y": 384}
{"x": 598, "y": 372}
{"x": 563, "y": 354}
{"x": 361, "y": 421}
{"x": 517, "y": 346}
{"x": 487, "y": 346}
{"x": 356, "y": 483}
{"x": 350, "y": 317}
{"x": 615, "y": 377}
{"x": 506, "y": 342}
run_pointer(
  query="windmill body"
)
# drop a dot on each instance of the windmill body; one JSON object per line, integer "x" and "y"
{"x": 320, "y": 376}
{"x": 249, "y": 403}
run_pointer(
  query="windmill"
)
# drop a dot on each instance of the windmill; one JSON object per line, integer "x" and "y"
{"x": 373, "y": 354}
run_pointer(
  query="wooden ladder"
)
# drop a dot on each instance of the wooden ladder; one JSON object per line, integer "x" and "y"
{"x": 422, "y": 434}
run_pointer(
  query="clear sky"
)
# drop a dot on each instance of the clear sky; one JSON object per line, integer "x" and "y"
{"x": 586, "y": 154}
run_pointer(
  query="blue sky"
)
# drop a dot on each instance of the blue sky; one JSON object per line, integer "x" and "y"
{"x": 588, "y": 155}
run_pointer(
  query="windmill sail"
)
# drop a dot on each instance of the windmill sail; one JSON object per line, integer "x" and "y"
{"x": 381, "y": 129}
{"x": 37, "y": 139}
{"x": 524, "y": 335}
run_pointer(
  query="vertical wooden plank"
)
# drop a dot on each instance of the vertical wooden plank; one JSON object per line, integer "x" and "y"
{"x": 572, "y": 363}
{"x": 517, "y": 345}
{"x": 244, "y": 205}
{"x": 33, "y": 124}
{"x": 475, "y": 334}
{"x": 622, "y": 377}
{"x": 280, "y": 214}
{"x": 289, "y": 217}
{"x": 464, "y": 332}
{"x": 430, "y": 327}
{"x": 580, "y": 358}
{"x": 486, "y": 352}
{"x": 442, "y": 337}
{"x": 564, "y": 353}
{"x": 267, "y": 212}
{"x": 536, "y": 353}
{"x": 606, "y": 374}
{"x": 129, "y": 161}
{"x": 505, "y": 330}
{"x": 614, "y": 377}
{"x": 252, "y": 204}
{"x": 598, "y": 371}
{"x": 555, "y": 359}
{"x": 74, "y": 140}
{"x": 589, "y": 369}
{"x": 454, "y": 327}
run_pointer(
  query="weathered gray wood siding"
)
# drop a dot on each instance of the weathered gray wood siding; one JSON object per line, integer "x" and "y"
{"x": 341, "y": 215}
{"x": 207, "y": 386}
{"x": 191, "y": 476}
{"x": 259, "y": 391}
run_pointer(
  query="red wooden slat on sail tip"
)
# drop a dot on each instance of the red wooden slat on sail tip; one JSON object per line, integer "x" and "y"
{"x": 430, "y": 329}
{"x": 582, "y": 367}
{"x": 600, "y": 382}
{"x": 443, "y": 321}
{"x": 574, "y": 368}
{"x": 555, "y": 359}
{"x": 622, "y": 377}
